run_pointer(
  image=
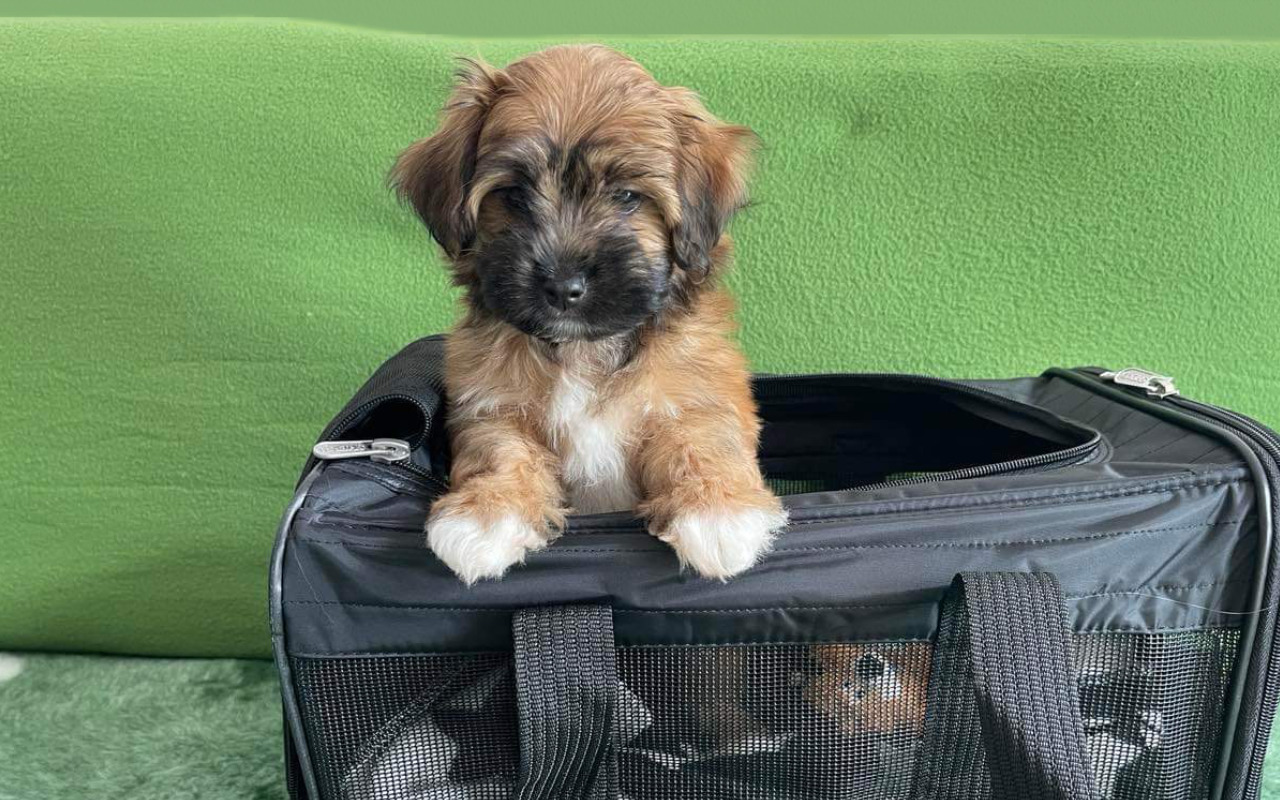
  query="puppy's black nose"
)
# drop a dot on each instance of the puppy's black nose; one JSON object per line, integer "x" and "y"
{"x": 565, "y": 293}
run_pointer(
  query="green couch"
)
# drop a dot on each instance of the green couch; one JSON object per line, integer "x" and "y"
{"x": 201, "y": 260}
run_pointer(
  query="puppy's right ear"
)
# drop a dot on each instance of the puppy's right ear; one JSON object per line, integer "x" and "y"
{"x": 434, "y": 174}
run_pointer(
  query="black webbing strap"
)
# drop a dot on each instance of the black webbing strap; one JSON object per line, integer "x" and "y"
{"x": 566, "y": 697}
{"x": 1004, "y": 714}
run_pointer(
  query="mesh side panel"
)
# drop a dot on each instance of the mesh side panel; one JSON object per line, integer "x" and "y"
{"x": 773, "y": 721}
{"x": 412, "y": 727}
{"x": 758, "y": 722}
{"x": 1152, "y": 708}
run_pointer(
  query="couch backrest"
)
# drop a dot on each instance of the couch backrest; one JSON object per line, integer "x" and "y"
{"x": 201, "y": 260}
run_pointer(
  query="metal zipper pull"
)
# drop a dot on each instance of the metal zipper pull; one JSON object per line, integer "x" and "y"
{"x": 385, "y": 450}
{"x": 1155, "y": 385}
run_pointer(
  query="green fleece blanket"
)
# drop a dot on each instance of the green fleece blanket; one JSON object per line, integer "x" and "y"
{"x": 111, "y": 728}
{"x": 201, "y": 261}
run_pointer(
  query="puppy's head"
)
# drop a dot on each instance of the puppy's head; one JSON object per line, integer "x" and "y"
{"x": 868, "y": 688}
{"x": 576, "y": 197}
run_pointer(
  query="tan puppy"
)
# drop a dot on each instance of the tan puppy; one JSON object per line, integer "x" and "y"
{"x": 582, "y": 207}
{"x": 865, "y": 688}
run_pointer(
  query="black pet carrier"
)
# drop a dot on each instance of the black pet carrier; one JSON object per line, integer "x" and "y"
{"x": 1051, "y": 587}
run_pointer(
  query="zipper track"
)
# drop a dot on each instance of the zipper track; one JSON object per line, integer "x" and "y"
{"x": 1070, "y": 456}
{"x": 338, "y": 429}
{"x": 1056, "y": 460}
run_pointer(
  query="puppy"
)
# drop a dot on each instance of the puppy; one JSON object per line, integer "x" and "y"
{"x": 865, "y": 688}
{"x": 582, "y": 207}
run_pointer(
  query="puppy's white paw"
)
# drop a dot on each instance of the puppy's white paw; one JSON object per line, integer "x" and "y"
{"x": 722, "y": 543}
{"x": 474, "y": 549}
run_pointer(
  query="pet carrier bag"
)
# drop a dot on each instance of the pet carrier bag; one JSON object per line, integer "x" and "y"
{"x": 1055, "y": 587}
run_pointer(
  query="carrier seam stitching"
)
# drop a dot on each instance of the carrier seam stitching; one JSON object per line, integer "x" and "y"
{"x": 491, "y": 653}
{"x": 748, "y": 610}
{"x": 1012, "y": 543}
{"x": 909, "y": 641}
{"x": 512, "y": 609}
{"x": 566, "y": 549}
{"x": 1063, "y": 499}
{"x": 1156, "y": 629}
{"x": 1173, "y": 587}
{"x": 914, "y": 641}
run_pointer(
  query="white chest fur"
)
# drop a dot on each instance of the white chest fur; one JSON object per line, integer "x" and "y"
{"x": 590, "y": 440}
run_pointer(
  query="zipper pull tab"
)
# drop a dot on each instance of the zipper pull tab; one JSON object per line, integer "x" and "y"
{"x": 1155, "y": 385}
{"x": 385, "y": 450}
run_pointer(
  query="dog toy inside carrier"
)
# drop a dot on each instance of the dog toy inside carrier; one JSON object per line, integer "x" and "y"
{"x": 1048, "y": 587}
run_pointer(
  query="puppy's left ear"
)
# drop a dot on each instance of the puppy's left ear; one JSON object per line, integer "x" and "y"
{"x": 714, "y": 160}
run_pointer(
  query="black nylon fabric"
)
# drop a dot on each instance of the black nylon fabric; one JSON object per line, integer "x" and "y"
{"x": 566, "y": 696}
{"x": 1132, "y": 554}
{"x": 1004, "y": 717}
{"x": 413, "y": 377}
{"x": 1152, "y": 528}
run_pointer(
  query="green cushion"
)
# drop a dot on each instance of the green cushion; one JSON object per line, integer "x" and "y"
{"x": 201, "y": 260}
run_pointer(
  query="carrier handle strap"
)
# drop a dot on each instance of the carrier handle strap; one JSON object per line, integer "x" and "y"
{"x": 1002, "y": 692}
{"x": 566, "y": 701}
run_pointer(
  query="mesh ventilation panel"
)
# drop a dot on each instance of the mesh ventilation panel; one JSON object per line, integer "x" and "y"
{"x": 754, "y": 722}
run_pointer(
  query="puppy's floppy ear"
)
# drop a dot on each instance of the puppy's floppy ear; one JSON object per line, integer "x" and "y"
{"x": 434, "y": 174}
{"x": 713, "y": 161}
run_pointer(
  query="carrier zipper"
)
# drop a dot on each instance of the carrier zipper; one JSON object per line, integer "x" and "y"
{"x": 1071, "y": 456}
{"x": 387, "y": 451}
{"x": 1056, "y": 460}
{"x": 1267, "y": 443}
{"x": 391, "y": 451}
{"x": 1160, "y": 387}
{"x": 395, "y": 452}
{"x": 1155, "y": 385}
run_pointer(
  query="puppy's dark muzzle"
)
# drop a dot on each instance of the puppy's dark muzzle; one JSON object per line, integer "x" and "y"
{"x": 565, "y": 293}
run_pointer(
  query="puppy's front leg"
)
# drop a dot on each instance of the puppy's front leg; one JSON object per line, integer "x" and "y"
{"x": 505, "y": 499}
{"x": 704, "y": 492}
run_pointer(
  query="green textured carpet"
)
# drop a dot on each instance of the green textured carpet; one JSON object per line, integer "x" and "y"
{"x": 87, "y": 728}
{"x": 159, "y": 729}
{"x": 201, "y": 261}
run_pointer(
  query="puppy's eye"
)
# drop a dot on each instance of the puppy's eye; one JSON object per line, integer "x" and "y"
{"x": 514, "y": 197}
{"x": 627, "y": 200}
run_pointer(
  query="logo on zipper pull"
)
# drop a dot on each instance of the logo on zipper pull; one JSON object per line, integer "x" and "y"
{"x": 1154, "y": 384}
{"x": 385, "y": 450}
